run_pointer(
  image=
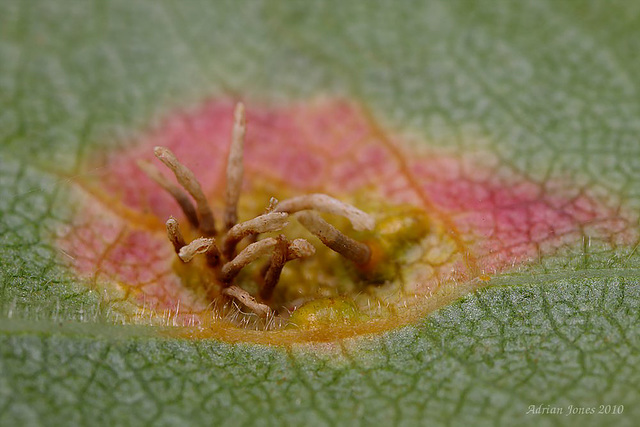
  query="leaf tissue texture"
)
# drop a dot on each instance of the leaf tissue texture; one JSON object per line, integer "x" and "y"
{"x": 513, "y": 124}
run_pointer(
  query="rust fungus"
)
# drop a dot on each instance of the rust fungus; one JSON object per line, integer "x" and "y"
{"x": 325, "y": 225}
{"x": 226, "y": 264}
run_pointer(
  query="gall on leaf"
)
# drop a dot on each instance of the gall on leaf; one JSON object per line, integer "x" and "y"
{"x": 445, "y": 224}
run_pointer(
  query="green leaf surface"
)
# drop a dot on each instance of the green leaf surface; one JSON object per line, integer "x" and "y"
{"x": 551, "y": 89}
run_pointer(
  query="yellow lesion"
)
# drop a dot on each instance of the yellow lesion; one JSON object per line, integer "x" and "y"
{"x": 325, "y": 289}
{"x": 326, "y": 297}
{"x": 327, "y": 313}
{"x": 398, "y": 230}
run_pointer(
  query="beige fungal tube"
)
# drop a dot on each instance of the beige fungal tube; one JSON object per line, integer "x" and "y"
{"x": 278, "y": 260}
{"x": 187, "y": 179}
{"x": 174, "y": 234}
{"x": 245, "y": 298}
{"x": 300, "y": 248}
{"x": 202, "y": 245}
{"x": 283, "y": 252}
{"x": 235, "y": 168}
{"x": 248, "y": 255}
{"x": 321, "y": 202}
{"x": 329, "y": 235}
{"x": 176, "y": 192}
{"x": 261, "y": 224}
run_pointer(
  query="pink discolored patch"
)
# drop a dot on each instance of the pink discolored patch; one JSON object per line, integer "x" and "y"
{"x": 508, "y": 221}
{"x": 497, "y": 218}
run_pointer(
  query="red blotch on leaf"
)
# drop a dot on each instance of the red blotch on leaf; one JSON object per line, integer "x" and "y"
{"x": 497, "y": 217}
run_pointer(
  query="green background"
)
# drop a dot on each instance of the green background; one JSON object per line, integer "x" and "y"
{"x": 548, "y": 87}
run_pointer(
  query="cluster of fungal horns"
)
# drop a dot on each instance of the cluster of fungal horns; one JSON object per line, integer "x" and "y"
{"x": 219, "y": 246}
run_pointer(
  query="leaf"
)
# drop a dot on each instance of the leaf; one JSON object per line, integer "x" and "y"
{"x": 550, "y": 90}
